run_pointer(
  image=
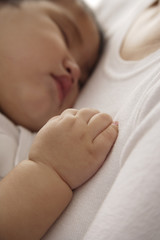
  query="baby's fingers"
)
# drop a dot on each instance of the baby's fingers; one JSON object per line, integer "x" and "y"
{"x": 86, "y": 114}
{"x": 69, "y": 112}
{"x": 98, "y": 123}
{"x": 105, "y": 140}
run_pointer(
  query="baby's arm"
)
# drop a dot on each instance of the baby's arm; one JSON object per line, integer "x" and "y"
{"x": 66, "y": 152}
{"x": 32, "y": 196}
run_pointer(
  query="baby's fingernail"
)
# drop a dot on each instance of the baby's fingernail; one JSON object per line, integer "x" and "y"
{"x": 116, "y": 123}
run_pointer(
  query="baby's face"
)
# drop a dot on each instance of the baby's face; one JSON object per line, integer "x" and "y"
{"x": 46, "y": 49}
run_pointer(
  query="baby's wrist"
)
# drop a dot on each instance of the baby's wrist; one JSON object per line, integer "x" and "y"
{"x": 52, "y": 172}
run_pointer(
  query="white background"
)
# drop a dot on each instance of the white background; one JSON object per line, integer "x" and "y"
{"x": 92, "y": 2}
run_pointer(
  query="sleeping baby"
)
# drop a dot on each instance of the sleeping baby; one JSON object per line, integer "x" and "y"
{"x": 48, "y": 49}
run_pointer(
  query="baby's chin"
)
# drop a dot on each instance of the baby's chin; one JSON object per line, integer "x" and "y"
{"x": 33, "y": 122}
{"x": 34, "y": 118}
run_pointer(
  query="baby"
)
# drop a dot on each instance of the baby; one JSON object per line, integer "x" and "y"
{"x": 47, "y": 51}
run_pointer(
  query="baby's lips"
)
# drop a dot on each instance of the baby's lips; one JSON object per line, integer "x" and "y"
{"x": 65, "y": 82}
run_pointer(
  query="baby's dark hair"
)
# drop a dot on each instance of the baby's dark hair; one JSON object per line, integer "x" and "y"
{"x": 102, "y": 41}
{"x": 12, "y": 2}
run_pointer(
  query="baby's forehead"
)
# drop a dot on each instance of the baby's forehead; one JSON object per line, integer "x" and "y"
{"x": 78, "y": 19}
{"x": 81, "y": 14}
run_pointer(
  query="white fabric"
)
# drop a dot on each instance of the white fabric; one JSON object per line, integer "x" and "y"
{"x": 15, "y": 142}
{"x": 121, "y": 202}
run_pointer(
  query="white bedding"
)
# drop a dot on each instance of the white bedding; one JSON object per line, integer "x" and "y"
{"x": 121, "y": 202}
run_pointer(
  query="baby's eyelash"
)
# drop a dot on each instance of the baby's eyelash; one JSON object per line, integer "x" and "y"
{"x": 61, "y": 29}
{"x": 64, "y": 35}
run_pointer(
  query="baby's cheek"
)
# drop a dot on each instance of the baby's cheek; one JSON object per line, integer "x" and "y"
{"x": 42, "y": 108}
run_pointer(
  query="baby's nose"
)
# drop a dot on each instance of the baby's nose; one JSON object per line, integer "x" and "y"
{"x": 73, "y": 69}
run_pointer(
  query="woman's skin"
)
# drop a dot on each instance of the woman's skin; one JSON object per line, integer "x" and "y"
{"x": 147, "y": 38}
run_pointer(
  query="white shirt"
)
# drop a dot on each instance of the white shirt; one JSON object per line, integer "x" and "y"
{"x": 121, "y": 202}
{"x": 15, "y": 142}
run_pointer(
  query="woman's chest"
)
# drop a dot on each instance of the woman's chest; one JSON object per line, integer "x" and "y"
{"x": 143, "y": 37}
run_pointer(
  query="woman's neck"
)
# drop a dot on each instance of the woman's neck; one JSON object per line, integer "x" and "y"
{"x": 143, "y": 38}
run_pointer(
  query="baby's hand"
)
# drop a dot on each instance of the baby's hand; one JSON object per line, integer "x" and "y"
{"x": 75, "y": 144}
